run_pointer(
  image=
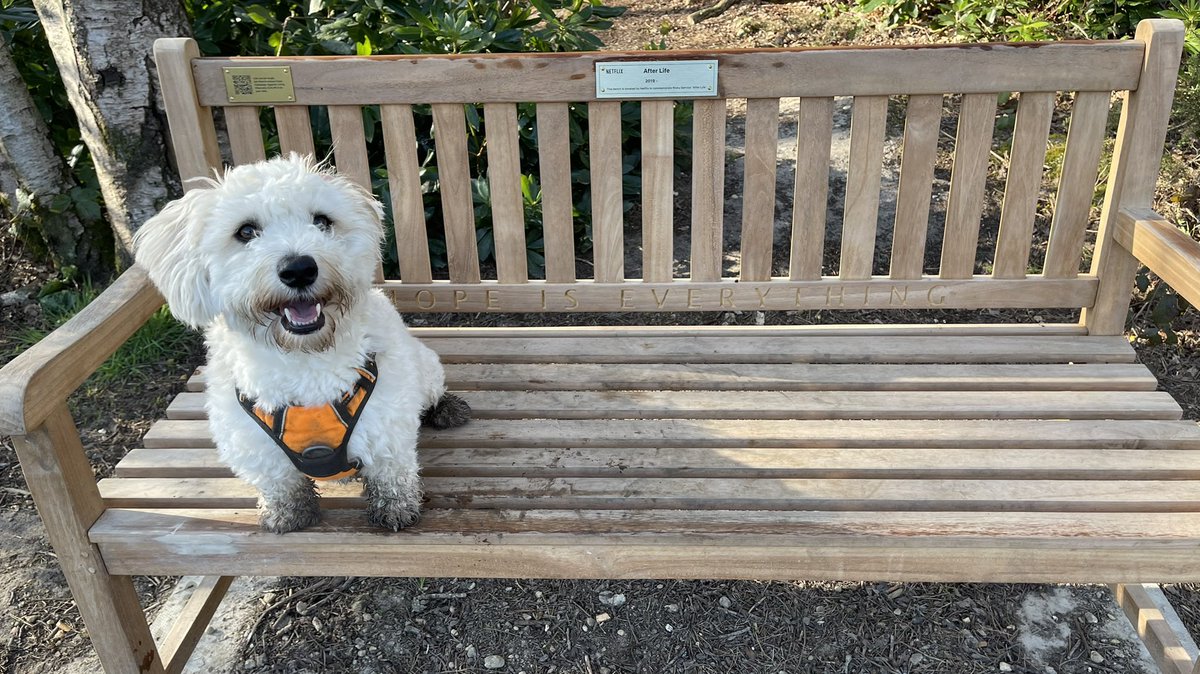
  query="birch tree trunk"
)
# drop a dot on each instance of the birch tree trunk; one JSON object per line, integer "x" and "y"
{"x": 104, "y": 52}
{"x": 35, "y": 176}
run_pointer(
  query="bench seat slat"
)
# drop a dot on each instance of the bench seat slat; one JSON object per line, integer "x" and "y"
{"x": 755, "y": 377}
{"x": 740, "y": 462}
{"x": 796, "y": 405}
{"x": 874, "y": 546}
{"x": 702, "y": 494}
{"x": 1032, "y": 434}
{"x": 999, "y": 349}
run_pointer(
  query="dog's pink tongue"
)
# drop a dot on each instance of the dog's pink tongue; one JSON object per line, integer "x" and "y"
{"x": 303, "y": 312}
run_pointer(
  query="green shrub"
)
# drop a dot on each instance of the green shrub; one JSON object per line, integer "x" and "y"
{"x": 366, "y": 27}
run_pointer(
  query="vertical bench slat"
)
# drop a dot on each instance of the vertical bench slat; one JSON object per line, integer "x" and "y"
{"x": 708, "y": 188}
{"x": 404, "y": 183}
{"x": 921, "y": 126}
{"x": 1137, "y": 157}
{"x": 1077, "y": 184}
{"x": 658, "y": 159}
{"x": 1024, "y": 182}
{"x": 972, "y": 147}
{"x": 504, "y": 180}
{"x": 458, "y": 214}
{"x": 554, "y": 167}
{"x": 193, "y": 133}
{"x": 814, "y": 140}
{"x": 868, "y": 120}
{"x": 245, "y": 135}
{"x": 604, "y": 138}
{"x": 295, "y": 130}
{"x": 350, "y": 143}
{"x": 758, "y": 195}
{"x": 350, "y": 151}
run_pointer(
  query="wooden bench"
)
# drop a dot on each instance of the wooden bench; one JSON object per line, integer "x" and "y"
{"x": 1027, "y": 452}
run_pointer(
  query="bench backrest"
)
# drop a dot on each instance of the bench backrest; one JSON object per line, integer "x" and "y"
{"x": 704, "y": 274}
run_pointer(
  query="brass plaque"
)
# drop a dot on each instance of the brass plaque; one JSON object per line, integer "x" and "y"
{"x": 259, "y": 84}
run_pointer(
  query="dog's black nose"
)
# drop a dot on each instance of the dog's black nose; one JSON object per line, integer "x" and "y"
{"x": 298, "y": 271}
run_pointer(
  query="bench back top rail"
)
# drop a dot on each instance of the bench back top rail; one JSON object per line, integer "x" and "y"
{"x": 786, "y": 249}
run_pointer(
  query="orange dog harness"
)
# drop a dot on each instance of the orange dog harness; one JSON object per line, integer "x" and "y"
{"x": 316, "y": 438}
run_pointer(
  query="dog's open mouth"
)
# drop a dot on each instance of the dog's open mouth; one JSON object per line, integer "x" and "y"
{"x": 302, "y": 317}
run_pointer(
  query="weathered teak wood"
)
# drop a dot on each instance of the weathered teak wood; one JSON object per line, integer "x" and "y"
{"x": 758, "y": 196}
{"x": 1014, "y": 453}
{"x": 976, "y": 120}
{"x": 916, "y": 186}
{"x": 179, "y": 643}
{"x": 608, "y": 224}
{"x": 768, "y": 404}
{"x": 878, "y": 292}
{"x": 408, "y": 208}
{"x": 39, "y": 379}
{"x": 1024, "y": 183}
{"x": 658, "y": 185}
{"x": 1136, "y": 158}
{"x": 777, "y": 377}
{"x": 740, "y": 463}
{"x": 622, "y": 543}
{"x": 64, "y": 490}
{"x": 555, "y": 171}
{"x": 504, "y": 178}
{"x": 867, "y": 126}
{"x": 734, "y": 433}
{"x": 814, "y": 138}
{"x": 1158, "y": 244}
{"x": 570, "y": 78}
{"x": 350, "y": 151}
{"x": 454, "y": 175}
{"x": 1171, "y": 647}
{"x": 295, "y": 130}
{"x": 245, "y": 135}
{"x": 193, "y": 134}
{"x": 708, "y": 189}
{"x": 1077, "y": 184}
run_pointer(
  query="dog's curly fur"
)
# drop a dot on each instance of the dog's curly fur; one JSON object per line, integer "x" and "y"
{"x": 225, "y": 279}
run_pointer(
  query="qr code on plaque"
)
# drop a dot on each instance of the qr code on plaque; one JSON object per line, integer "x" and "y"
{"x": 243, "y": 85}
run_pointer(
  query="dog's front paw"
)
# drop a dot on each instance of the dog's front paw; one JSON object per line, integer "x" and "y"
{"x": 393, "y": 509}
{"x": 448, "y": 412}
{"x": 295, "y": 510}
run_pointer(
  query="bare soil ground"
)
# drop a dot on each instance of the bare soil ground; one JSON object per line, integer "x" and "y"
{"x": 596, "y": 627}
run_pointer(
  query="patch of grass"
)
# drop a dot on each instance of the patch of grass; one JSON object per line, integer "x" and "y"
{"x": 161, "y": 341}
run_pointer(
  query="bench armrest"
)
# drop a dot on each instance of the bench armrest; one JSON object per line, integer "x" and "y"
{"x": 41, "y": 377}
{"x": 1161, "y": 246}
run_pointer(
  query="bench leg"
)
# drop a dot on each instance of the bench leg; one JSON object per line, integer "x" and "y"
{"x": 193, "y": 620}
{"x": 64, "y": 490}
{"x": 1159, "y": 627}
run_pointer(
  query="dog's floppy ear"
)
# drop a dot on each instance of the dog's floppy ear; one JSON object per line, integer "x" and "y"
{"x": 168, "y": 247}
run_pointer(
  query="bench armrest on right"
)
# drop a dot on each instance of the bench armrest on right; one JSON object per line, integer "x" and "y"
{"x": 41, "y": 377}
{"x": 1161, "y": 246}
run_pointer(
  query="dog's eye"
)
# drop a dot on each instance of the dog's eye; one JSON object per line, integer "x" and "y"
{"x": 247, "y": 231}
{"x": 321, "y": 220}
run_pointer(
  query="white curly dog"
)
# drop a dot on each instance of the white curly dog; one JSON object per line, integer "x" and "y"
{"x": 311, "y": 373}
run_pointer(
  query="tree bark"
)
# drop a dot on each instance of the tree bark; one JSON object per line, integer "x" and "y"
{"x": 104, "y": 52}
{"x": 8, "y": 186}
{"x": 35, "y": 175}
